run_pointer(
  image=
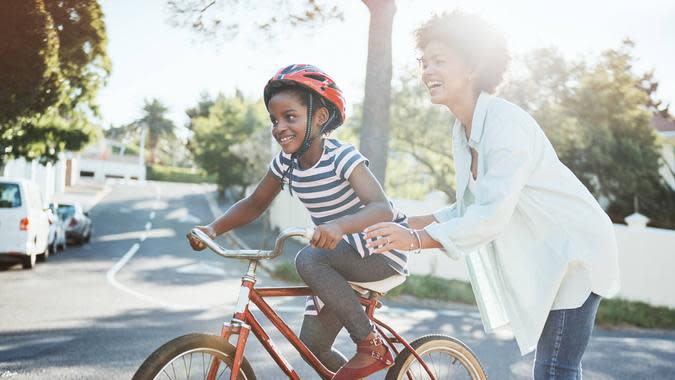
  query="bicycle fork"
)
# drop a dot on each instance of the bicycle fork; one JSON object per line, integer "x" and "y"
{"x": 237, "y": 326}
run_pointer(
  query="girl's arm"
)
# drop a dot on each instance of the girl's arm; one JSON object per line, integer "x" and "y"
{"x": 244, "y": 211}
{"x": 377, "y": 209}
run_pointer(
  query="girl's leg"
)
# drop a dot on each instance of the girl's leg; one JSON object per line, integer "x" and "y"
{"x": 326, "y": 272}
{"x": 318, "y": 332}
{"x": 564, "y": 340}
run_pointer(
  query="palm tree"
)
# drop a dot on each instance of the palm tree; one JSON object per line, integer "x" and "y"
{"x": 156, "y": 125}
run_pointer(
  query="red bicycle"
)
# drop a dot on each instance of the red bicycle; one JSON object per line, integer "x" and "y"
{"x": 204, "y": 356}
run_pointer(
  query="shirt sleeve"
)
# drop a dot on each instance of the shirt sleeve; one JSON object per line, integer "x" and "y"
{"x": 347, "y": 160}
{"x": 509, "y": 165}
{"x": 279, "y": 165}
{"x": 447, "y": 213}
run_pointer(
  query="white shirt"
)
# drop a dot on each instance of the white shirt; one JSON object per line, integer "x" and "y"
{"x": 533, "y": 237}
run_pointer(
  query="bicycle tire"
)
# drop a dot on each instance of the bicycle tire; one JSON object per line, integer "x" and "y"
{"x": 160, "y": 364}
{"x": 443, "y": 345}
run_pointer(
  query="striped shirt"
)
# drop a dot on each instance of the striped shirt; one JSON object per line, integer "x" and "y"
{"x": 325, "y": 191}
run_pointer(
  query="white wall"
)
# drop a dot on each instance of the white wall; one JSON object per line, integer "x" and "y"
{"x": 103, "y": 168}
{"x": 646, "y": 255}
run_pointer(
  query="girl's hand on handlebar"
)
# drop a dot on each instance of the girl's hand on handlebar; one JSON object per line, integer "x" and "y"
{"x": 327, "y": 236}
{"x": 195, "y": 243}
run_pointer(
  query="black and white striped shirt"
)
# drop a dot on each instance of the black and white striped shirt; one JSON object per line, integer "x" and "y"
{"x": 325, "y": 191}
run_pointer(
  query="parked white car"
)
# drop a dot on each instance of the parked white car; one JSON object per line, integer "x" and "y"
{"x": 24, "y": 225}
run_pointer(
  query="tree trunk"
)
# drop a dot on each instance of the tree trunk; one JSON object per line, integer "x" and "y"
{"x": 374, "y": 142}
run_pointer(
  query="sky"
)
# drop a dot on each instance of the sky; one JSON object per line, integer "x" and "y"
{"x": 153, "y": 59}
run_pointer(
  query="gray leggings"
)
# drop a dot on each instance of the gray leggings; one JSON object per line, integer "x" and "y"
{"x": 326, "y": 272}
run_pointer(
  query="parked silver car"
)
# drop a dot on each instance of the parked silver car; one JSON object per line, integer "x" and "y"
{"x": 57, "y": 230}
{"x": 77, "y": 222}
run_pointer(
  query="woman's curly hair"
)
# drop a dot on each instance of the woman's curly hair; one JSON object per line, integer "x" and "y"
{"x": 473, "y": 39}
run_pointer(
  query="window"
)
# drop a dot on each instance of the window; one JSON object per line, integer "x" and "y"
{"x": 10, "y": 196}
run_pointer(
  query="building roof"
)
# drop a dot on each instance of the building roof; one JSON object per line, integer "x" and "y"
{"x": 662, "y": 124}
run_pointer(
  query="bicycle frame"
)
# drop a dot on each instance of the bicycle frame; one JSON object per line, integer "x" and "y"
{"x": 243, "y": 322}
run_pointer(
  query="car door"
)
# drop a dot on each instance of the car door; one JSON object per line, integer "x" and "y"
{"x": 12, "y": 210}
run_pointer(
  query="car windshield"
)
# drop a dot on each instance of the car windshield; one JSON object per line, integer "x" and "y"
{"x": 10, "y": 196}
{"x": 66, "y": 211}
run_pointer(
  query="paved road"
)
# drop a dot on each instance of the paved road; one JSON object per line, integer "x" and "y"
{"x": 98, "y": 310}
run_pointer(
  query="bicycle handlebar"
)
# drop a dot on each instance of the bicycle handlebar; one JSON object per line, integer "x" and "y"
{"x": 252, "y": 254}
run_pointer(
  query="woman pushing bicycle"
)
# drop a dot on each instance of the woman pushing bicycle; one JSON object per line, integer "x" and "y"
{"x": 540, "y": 250}
{"x": 332, "y": 180}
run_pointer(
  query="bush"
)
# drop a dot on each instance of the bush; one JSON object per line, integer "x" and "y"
{"x": 177, "y": 174}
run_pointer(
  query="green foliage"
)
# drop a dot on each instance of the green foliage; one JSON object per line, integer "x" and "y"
{"x": 286, "y": 271}
{"x": 619, "y": 312}
{"x": 30, "y": 76}
{"x": 598, "y": 118}
{"x": 177, "y": 174}
{"x": 53, "y": 62}
{"x": 421, "y": 142}
{"x": 231, "y": 140}
{"x": 436, "y": 288}
{"x": 156, "y": 125}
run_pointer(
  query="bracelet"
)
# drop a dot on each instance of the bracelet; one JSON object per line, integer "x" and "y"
{"x": 419, "y": 242}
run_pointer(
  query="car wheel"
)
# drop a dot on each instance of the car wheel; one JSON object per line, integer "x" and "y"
{"x": 28, "y": 261}
{"x": 44, "y": 255}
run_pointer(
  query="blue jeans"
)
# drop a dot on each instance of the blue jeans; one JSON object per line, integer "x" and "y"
{"x": 564, "y": 340}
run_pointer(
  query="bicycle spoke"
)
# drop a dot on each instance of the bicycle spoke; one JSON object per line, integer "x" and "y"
{"x": 203, "y": 366}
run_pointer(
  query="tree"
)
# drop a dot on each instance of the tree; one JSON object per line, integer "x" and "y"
{"x": 422, "y": 135}
{"x": 204, "y": 17}
{"x": 156, "y": 125}
{"x": 598, "y": 118}
{"x": 54, "y": 62}
{"x": 231, "y": 140}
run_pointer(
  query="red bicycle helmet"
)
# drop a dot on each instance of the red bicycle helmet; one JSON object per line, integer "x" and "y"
{"x": 313, "y": 78}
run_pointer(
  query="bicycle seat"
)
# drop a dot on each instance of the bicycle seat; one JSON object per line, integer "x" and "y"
{"x": 381, "y": 286}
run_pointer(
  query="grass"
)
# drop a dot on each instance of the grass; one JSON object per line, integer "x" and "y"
{"x": 177, "y": 174}
{"x": 612, "y": 313}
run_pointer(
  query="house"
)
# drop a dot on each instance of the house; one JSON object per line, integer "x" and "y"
{"x": 665, "y": 128}
{"x": 107, "y": 159}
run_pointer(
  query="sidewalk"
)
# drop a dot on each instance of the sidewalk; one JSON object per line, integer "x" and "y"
{"x": 252, "y": 236}
{"x": 87, "y": 192}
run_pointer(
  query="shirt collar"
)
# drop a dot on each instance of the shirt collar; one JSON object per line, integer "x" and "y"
{"x": 478, "y": 120}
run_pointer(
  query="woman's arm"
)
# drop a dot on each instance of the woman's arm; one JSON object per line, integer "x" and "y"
{"x": 242, "y": 212}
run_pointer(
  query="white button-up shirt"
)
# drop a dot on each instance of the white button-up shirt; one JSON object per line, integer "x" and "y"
{"x": 533, "y": 237}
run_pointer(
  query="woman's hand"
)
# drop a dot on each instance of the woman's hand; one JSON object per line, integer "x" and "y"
{"x": 195, "y": 243}
{"x": 327, "y": 236}
{"x": 390, "y": 236}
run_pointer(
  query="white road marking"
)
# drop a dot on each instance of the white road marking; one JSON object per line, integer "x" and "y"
{"x": 152, "y": 215}
{"x": 148, "y": 226}
{"x": 116, "y": 268}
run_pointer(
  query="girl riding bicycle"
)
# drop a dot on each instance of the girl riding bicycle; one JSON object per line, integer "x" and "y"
{"x": 332, "y": 180}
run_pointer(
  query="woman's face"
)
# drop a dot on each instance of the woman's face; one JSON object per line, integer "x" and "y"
{"x": 444, "y": 74}
{"x": 289, "y": 120}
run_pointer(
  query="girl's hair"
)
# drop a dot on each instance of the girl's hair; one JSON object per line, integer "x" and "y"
{"x": 481, "y": 47}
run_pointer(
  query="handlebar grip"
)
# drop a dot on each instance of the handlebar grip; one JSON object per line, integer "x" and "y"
{"x": 200, "y": 235}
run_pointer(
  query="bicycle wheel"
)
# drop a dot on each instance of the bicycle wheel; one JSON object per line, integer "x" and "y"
{"x": 446, "y": 357}
{"x": 192, "y": 355}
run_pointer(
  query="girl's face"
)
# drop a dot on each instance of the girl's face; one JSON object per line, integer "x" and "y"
{"x": 289, "y": 120}
{"x": 444, "y": 74}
